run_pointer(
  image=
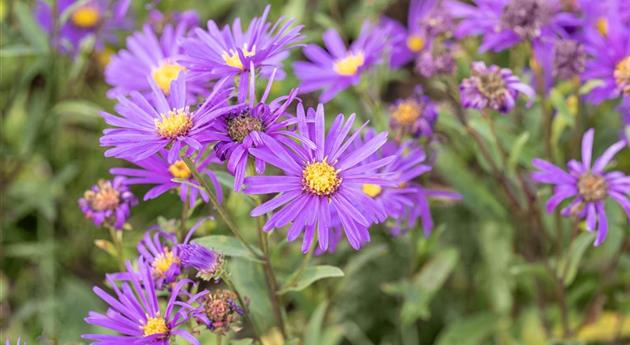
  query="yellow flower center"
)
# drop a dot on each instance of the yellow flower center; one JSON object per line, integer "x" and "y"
{"x": 372, "y": 190}
{"x": 155, "y": 325}
{"x": 415, "y": 43}
{"x": 173, "y": 124}
{"x": 602, "y": 26}
{"x": 86, "y": 17}
{"x": 106, "y": 198}
{"x": 622, "y": 75}
{"x": 165, "y": 74}
{"x": 163, "y": 262}
{"x": 179, "y": 169}
{"x": 320, "y": 178}
{"x": 592, "y": 187}
{"x": 350, "y": 64}
{"x": 407, "y": 112}
{"x": 232, "y": 58}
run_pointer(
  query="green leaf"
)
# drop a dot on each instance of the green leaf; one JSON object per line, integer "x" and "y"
{"x": 310, "y": 275}
{"x": 471, "y": 330}
{"x": 29, "y": 27}
{"x": 18, "y": 50}
{"x": 313, "y": 331}
{"x": 249, "y": 281}
{"x": 568, "y": 265}
{"x": 517, "y": 150}
{"x": 590, "y": 85}
{"x": 228, "y": 246}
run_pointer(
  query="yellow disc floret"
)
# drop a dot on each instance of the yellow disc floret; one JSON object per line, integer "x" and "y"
{"x": 372, "y": 190}
{"x": 232, "y": 58}
{"x": 350, "y": 64}
{"x": 415, "y": 43}
{"x": 163, "y": 262}
{"x": 155, "y": 325}
{"x": 406, "y": 112}
{"x": 164, "y": 75}
{"x": 105, "y": 198}
{"x": 86, "y": 17}
{"x": 320, "y": 178}
{"x": 173, "y": 124}
{"x": 179, "y": 169}
{"x": 622, "y": 75}
{"x": 602, "y": 26}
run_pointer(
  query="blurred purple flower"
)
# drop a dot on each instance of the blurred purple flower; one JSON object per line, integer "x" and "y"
{"x": 589, "y": 186}
{"x": 229, "y": 52}
{"x": 338, "y": 68}
{"x": 505, "y": 23}
{"x": 317, "y": 182}
{"x": 109, "y": 202}
{"x": 148, "y": 57}
{"x": 415, "y": 115}
{"x": 220, "y": 311}
{"x": 158, "y": 249}
{"x": 156, "y": 170}
{"x": 241, "y": 129}
{"x": 143, "y": 128}
{"x": 100, "y": 18}
{"x": 437, "y": 59}
{"x": 492, "y": 87}
{"x": 136, "y": 315}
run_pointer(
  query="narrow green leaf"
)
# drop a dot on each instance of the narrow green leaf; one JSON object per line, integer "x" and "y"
{"x": 313, "y": 331}
{"x": 312, "y": 274}
{"x": 517, "y": 150}
{"x": 19, "y": 50}
{"x": 471, "y": 330}
{"x": 567, "y": 269}
{"x": 29, "y": 27}
{"x": 227, "y": 245}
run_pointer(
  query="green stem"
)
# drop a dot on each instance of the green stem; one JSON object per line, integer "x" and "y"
{"x": 270, "y": 280}
{"x": 241, "y": 301}
{"x": 116, "y": 236}
{"x": 305, "y": 261}
{"x": 182, "y": 225}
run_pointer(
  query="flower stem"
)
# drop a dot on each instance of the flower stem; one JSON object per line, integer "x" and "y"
{"x": 117, "y": 240}
{"x": 241, "y": 301}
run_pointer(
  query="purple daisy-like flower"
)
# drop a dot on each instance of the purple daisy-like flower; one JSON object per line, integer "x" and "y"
{"x": 595, "y": 14}
{"x": 135, "y": 313}
{"x": 220, "y": 311}
{"x": 338, "y": 68}
{"x": 156, "y": 170}
{"x": 415, "y": 115}
{"x": 158, "y": 249}
{"x": 318, "y": 182}
{"x": 221, "y": 53}
{"x": 610, "y": 60}
{"x": 425, "y": 20}
{"x": 207, "y": 263}
{"x": 437, "y": 59}
{"x": 589, "y": 186}
{"x": 149, "y": 57}
{"x": 108, "y": 202}
{"x": 241, "y": 129}
{"x": 505, "y": 23}
{"x": 143, "y": 128}
{"x": 100, "y": 18}
{"x": 492, "y": 87}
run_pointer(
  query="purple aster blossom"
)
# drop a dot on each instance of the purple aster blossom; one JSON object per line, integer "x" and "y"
{"x": 610, "y": 60}
{"x": 159, "y": 250}
{"x": 492, "y": 87}
{"x": 339, "y": 67}
{"x": 99, "y": 18}
{"x": 156, "y": 171}
{"x": 136, "y": 315}
{"x": 425, "y": 20}
{"x": 560, "y": 59}
{"x": 241, "y": 129}
{"x": 149, "y": 57}
{"x": 228, "y": 52}
{"x": 595, "y": 14}
{"x": 108, "y": 202}
{"x": 206, "y": 262}
{"x": 318, "y": 182}
{"x": 589, "y": 186}
{"x": 437, "y": 59}
{"x": 220, "y": 311}
{"x": 415, "y": 115}
{"x": 143, "y": 128}
{"x": 505, "y": 23}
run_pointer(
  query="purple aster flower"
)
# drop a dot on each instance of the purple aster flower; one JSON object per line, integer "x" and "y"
{"x": 610, "y": 61}
{"x": 437, "y": 59}
{"x": 143, "y": 128}
{"x": 207, "y": 263}
{"x": 318, "y": 182}
{"x": 135, "y": 313}
{"x": 158, "y": 249}
{"x": 338, "y": 68}
{"x": 425, "y": 20}
{"x": 505, "y": 23}
{"x": 99, "y": 18}
{"x": 19, "y": 342}
{"x": 239, "y": 130}
{"x": 589, "y": 186}
{"x": 220, "y": 311}
{"x": 108, "y": 202}
{"x": 415, "y": 115}
{"x": 492, "y": 87}
{"x": 556, "y": 60}
{"x": 229, "y": 52}
{"x": 156, "y": 170}
{"x": 149, "y": 57}
{"x": 595, "y": 14}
